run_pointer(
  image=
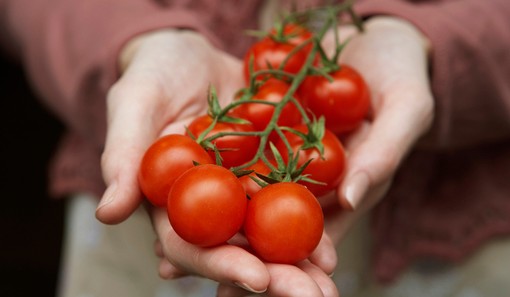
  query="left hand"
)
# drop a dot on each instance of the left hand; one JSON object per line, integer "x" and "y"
{"x": 392, "y": 56}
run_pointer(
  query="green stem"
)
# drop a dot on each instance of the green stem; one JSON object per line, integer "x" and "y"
{"x": 301, "y": 110}
{"x": 271, "y": 126}
{"x": 358, "y": 22}
{"x": 275, "y": 72}
{"x": 233, "y": 133}
{"x": 296, "y": 80}
{"x": 236, "y": 103}
{"x": 293, "y": 52}
{"x": 204, "y": 133}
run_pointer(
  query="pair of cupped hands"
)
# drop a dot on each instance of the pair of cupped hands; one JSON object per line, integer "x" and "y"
{"x": 164, "y": 82}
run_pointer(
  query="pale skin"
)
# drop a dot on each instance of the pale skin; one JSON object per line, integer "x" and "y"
{"x": 165, "y": 78}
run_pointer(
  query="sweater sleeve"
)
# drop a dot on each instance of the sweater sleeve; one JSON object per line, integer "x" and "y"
{"x": 470, "y": 65}
{"x": 69, "y": 49}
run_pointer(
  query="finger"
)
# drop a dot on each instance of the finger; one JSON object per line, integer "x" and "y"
{"x": 354, "y": 139}
{"x": 168, "y": 271}
{"x": 288, "y": 280}
{"x": 227, "y": 264}
{"x": 402, "y": 118}
{"x": 158, "y": 248}
{"x": 323, "y": 280}
{"x": 132, "y": 126}
{"x": 232, "y": 291}
{"x": 324, "y": 256}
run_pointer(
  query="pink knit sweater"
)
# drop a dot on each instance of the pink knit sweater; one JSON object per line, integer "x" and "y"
{"x": 447, "y": 199}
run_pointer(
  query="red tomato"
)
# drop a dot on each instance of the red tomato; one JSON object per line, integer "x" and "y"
{"x": 273, "y": 50}
{"x": 344, "y": 102}
{"x": 207, "y": 205}
{"x": 237, "y": 149}
{"x": 329, "y": 169}
{"x": 284, "y": 223}
{"x": 259, "y": 114}
{"x": 250, "y": 186}
{"x": 293, "y": 34}
{"x": 164, "y": 161}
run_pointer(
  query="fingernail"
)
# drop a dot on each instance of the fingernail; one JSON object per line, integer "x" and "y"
{"x": 108, "y": 196}
{"x": 248, "y": 288}
{"x": 356, "y": 188}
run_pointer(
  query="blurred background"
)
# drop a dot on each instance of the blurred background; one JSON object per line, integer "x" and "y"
{"x": 31, "y": 223}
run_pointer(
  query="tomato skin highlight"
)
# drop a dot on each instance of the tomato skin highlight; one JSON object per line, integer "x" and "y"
{"x": 237, "y": 149}
{"x": 344, "y": 102}
{"x": 207, "y": 205}
{"x": 329, "y": 169}
{"x": 164, "y": 161}
{"x": 284, "y": 223}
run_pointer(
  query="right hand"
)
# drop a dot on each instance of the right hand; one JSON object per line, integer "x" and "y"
{"x": 164, "y": 82}
{"x": 166, "y": 75}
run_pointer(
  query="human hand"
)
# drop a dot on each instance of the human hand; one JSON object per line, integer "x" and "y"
{"x": 240, "y": 273}
{"x": 164, "y": 84}
{"x": 144, "y": 105}
{"x": 392, "y": 57}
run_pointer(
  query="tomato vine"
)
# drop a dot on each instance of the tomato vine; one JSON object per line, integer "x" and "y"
{"x": 326, "y": 66}
{"x": 277, "y": 143}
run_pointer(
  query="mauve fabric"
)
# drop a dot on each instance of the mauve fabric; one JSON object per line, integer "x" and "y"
{"x": 452, "y": 192}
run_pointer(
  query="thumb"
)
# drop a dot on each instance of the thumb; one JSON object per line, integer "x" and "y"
{"x": 377, "y": 150}
{"x": 132, "y": 127}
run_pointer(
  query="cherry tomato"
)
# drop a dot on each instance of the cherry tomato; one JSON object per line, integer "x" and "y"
{"x": 292, "y": 33}
{"x": 259, "y": 114}
{"x": 284, "y": 223}
{"x": 344, "y": 102}
{"x": 164, "y": 161}
{"x": 249, "y": 185}
{"x": 207, "y": 205}
{"x": 273, "y": 50}
{"x": 329, "y": 169}
{"x": 234, "y": 149}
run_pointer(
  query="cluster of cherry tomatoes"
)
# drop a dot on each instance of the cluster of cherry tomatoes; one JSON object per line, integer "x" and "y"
{"x": 258, "y": 165}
